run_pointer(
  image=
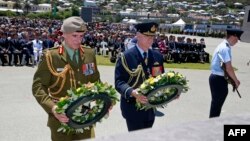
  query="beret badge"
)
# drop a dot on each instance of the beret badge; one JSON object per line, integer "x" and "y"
{"x": 82, "y": 28}
{"x": 153, "y": 28}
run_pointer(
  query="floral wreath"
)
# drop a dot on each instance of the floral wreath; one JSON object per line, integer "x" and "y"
{"x": 86, "y": 111}
{"x": 162, "y": 89}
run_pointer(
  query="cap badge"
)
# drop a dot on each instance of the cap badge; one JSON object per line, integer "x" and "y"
{"x": 82, "y": 28}
{"x": 153, "y": 28}
{"x": 156, "y": 63}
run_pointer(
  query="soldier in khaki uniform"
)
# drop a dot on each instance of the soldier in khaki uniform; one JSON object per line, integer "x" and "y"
{"x": 60, "y": 69}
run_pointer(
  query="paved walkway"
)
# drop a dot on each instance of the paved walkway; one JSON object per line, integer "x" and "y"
{"x": 22, "y": 119}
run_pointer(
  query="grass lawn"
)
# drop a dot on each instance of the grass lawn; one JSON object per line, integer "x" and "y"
{"x": 206, "y": 66}
{"x": 198, "y": 66}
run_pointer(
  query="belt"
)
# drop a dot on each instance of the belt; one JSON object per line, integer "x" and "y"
{"x": 218, "y": 73}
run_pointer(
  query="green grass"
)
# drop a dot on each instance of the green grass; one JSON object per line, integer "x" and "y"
{"x": 101, "y": 60}
{"x": 197, "y": 66}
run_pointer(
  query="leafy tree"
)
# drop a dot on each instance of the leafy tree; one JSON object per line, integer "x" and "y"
{"x": 36, "y": 2}
{"x": 171, "y": 9}
{"x": 75, "y": 10}
{"x": 27, "y": 6}
{"x": 17, "y": 5}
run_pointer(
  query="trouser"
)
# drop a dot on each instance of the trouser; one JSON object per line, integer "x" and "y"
{"x": 27, "y": 54}
{"x": 219, "y": 91}
{"x": 18, "y": 57}
{"x": 59, "y": 136}
{"x": 2, "y": 58}
{"x": 37, "y": 55}
{"x": 137, "y": 125}
{"x": 9, "y": 57}
{"x": 54, "y": 124}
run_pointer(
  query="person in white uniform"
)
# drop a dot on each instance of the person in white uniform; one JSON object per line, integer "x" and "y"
{"x": 37, "y": 48}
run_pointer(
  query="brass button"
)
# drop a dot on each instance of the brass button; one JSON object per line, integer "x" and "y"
{"x": 78, "y": 70}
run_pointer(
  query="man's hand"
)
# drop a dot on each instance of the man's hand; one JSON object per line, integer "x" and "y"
{"x": 61, "y": 117}
{"x": 237, "y": 83}
{"x": 139, "y": 97}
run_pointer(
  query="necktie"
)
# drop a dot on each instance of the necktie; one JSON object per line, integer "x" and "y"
{"x": 145, "y": 57}
{"x": 74, "y": 57}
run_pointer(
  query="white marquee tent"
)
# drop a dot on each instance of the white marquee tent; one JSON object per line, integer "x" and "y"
{"x": 129, "y": 21}
{"x": 179, "y": 23}
{"x": 132, "y": 21}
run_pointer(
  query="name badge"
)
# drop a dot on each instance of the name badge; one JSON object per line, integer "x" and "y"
{"x": 88, "y": 69}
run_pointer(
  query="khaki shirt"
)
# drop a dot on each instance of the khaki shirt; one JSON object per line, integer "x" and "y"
{"x": 43, "y": 78}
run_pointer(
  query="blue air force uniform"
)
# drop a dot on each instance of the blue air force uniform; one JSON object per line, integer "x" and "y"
{"x": 126, "y": 82}
{"x": 217, "y": 82}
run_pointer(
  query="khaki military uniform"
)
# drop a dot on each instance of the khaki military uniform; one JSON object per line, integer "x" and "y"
{"x": 56, "y": 74}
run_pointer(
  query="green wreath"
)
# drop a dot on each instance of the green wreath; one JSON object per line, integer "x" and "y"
{"x": 85, "y": 106}
{"x": 162, "y": 89}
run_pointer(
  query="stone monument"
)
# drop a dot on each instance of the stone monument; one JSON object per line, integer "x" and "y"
{"x": 246, "y": 26}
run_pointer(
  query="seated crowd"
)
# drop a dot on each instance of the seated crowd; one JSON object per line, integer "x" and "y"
{"x": 23, "y": 40}
{"x": 181, "y": 51}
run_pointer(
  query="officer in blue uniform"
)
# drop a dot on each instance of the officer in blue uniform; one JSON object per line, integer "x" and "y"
{"x": 133, "y": 67}
{"x": 218, "y": 83}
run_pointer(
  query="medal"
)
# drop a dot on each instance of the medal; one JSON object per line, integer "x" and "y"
{"x": 156, "y": 71}
{"x": 88, "y": 69}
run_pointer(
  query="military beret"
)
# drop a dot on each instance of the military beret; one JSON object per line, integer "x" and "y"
{"x": 234, "y": 32}
{"x": 147, "y": 28}
{"x": 73, "y": 24}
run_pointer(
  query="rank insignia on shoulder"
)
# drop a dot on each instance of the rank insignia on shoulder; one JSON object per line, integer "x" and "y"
{"x": 60, "y": 50}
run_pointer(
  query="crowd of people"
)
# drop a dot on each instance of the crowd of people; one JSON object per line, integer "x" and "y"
{"x": 181, "y": 50}
{"x": 23, "y": 40}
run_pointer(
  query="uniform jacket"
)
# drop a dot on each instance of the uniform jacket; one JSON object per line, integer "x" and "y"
{"x": 133, "y": 59}
{"x": 43, "y": 78}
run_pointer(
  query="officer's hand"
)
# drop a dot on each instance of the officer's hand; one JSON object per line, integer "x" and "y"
{"x": 142, "y": 99}
{"x": 237, "y": 83}
{"x": 61, "y": 117}
{"x": 139, "y": 97}
{"x": 110, "y": 108}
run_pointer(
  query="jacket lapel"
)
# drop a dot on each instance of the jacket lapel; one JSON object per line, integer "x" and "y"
{"x": 141, "y": 61}
{"x": 138, "y": 54}
{"x": 150, "y": 58}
